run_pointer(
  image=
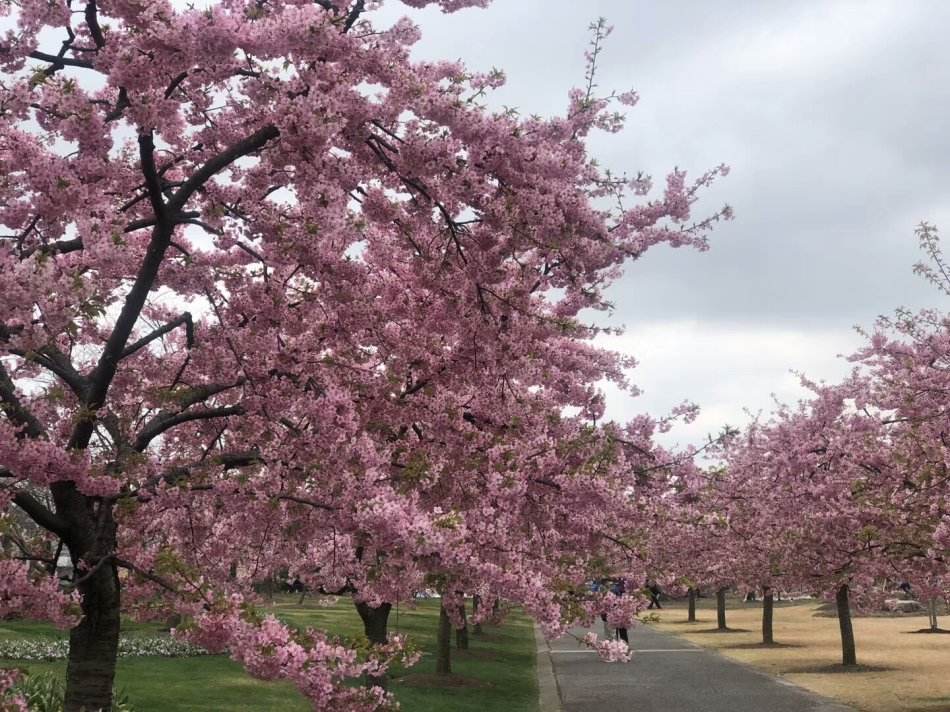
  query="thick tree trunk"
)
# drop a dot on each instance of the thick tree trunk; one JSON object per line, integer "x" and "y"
{"x": 94, "y": 643}
{"x": 848, "y": 655}
{"x": 443, "y": 659}
{"x": 375, "y": 625}
{"x": 691, "y": 610}
{"x": 721, "y": 609}
{"x": 461, "y": 634}
{"x": 476, "y": 602}
{"x": 767, "y": 608}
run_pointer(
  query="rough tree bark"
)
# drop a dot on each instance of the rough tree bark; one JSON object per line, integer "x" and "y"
{"x": 721, "y": 609}
{"x": 94, "y": 643}
{"x": 375, "y": 626}
{"x": 848, "y": 655}
{"x": 768, "y": 601}
{"x": 691, "y": 610}
{"x": 476, "y": 602}
{"x": 461, "y": 634}
{"x": 443, "y": 660}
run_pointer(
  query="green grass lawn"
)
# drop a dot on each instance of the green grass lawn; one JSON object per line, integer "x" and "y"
{"x": 496, "y": 673}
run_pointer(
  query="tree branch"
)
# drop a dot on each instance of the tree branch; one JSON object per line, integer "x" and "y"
{"x": 104, "y": 372}
{"x": 60, "y": 62}
{"x": 242, "y": 148}
{"x": 122, "y": 563}
{"x": 354, "y": 15}
{"x": 41, "y": 514}
{"x": 54, "y": 248}
{"x": 92, "y": 22}
{"x": 308, "y": 502}
{"x": 18, "y": 413}
{"x": 54, "y": 360}
{"x": 161, "y": 331}
{"x": 165, "y": 421}
{"x": 153, "y": 182}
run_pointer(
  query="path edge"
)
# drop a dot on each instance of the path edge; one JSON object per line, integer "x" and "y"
{"x": 549, "y": 694}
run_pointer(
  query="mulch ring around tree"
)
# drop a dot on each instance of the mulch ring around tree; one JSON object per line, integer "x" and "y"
{"x": 838, "y": 668}
{"x": 434, "y": 680}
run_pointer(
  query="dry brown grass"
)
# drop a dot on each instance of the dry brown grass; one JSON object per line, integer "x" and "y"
{"x": 898, "y": 671}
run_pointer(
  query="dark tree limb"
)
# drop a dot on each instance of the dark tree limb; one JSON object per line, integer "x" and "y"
{"x": 163, "y": 422}
{"x": 55, "y": 361}
{"x": 178, "y": 219}
{"x": 101, "y": 377}
{"x": 54, "y": 248}
{"x": 354, "y": 14}
{"x": 185, "y": 319}
{"x": 92, "y": 22}
{"x": 155, "y": 578}
{"x": 18, "y": 413}
{"x": 308, "y": 502}
{"x": 41, "y": 514}
{"x": 242, "y": 148}
{"x": 60, "y": 62}
{"x": 153, "y": 183}
{"x": 88, "y": 574}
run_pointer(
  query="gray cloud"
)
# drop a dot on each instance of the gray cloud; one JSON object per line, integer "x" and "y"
{"x": 832, "y": 117}
{"x": 829, "y": 114}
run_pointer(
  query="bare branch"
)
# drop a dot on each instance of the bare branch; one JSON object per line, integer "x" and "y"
{"x": 165, "y": 421}
{"x": 155, "y": 578}
{"x": 40, "y": 513}
{"x": 54, "y": 360}
{"x": 60, "y": 62}
{"x": 54, "y": 248}
{"x": 92, "y": 571}
{"x": 161, "y": 331}
{"x": 308, "y": 502}
{"x": 104, "y": 372}
{"x": 18, "y": 413}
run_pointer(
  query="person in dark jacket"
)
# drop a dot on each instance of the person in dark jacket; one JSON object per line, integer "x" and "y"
{"x": 619, "y": 589}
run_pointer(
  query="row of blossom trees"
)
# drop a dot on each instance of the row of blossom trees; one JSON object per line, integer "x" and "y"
{"x": 846, "y": 493}
{"x": 275, "y": 298}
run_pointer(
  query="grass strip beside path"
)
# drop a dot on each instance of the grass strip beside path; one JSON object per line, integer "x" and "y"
{"x": 497, "y": 672}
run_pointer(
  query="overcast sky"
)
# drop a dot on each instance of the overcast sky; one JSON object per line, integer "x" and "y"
{"x": 832, "y": 116}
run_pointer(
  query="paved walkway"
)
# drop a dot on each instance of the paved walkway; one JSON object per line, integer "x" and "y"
{"x": 669, "y": 674}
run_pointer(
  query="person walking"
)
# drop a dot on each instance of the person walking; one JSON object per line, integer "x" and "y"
{"x": 619, "y": 589}
{"x": 654, "y": 590}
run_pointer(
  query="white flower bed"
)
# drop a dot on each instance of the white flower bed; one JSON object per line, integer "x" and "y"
{"x": 37, "y": 650}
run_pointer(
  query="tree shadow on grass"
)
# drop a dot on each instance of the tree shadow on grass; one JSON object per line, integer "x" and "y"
{"x": 476, "y": 654}
{"x": 931, "y": 631}
{"x": 434, "y": 680}
{"x": 932, "y": 704}
{"x": 724, "y": 630}
{"x": 839, "y": 668}
{"x": 760, "y": 646}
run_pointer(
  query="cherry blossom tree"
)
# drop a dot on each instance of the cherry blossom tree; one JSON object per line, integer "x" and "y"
{"x": 849, "y": 489}
{"x": 258, "y": 266}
